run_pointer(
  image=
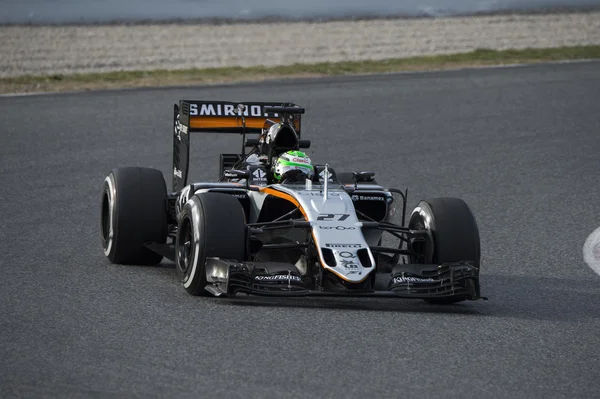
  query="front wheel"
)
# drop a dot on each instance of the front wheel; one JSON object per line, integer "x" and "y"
{"x": 453, "y": 231}
{"x": 210, "y": 225}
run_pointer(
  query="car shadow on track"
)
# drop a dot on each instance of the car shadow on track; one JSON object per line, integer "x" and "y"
{"x": 163, "y": 265}
{"x": 541, "y": 298}
{"x": 355, "y": 303}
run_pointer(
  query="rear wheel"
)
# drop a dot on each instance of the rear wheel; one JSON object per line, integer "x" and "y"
{"x": 134, "y": 212}
{"x": 210, "y": 225}
{"x": 453, "y": 231}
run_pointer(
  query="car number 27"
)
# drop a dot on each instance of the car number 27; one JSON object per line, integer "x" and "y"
{"x": 333, "y": 217}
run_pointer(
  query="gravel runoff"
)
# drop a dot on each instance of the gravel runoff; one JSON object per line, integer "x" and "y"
{"x": 41, "y": 50}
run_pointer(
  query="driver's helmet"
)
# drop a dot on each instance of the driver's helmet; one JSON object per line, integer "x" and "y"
{"x": 293, "y": 165}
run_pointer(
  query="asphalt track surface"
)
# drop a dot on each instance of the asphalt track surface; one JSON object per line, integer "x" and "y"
{"x": 520, "y": 145}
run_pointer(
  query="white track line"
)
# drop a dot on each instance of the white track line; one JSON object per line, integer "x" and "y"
{"x": 591, "y": 251}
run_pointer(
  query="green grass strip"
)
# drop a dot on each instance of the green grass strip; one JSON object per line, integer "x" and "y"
{"x": 480, "y": 57}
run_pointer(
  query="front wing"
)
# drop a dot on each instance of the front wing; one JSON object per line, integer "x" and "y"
{"x": 448, "y": 280}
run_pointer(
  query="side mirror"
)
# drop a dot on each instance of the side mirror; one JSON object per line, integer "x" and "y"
{"x": 304, "y": 143}
{"x": 361, "y": 177}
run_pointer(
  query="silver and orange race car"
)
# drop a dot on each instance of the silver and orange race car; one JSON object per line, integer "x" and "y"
{"x": 248, "y": 232}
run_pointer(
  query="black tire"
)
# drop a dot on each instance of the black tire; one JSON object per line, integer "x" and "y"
{"x": 454, "y": 234}
{"x": 210, "y": 225}
{"x": 134, "y": 212}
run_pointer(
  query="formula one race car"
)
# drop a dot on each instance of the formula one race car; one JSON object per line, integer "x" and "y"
{"x": 275, "y": 224}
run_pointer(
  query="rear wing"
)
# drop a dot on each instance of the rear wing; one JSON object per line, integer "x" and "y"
{"x": 222, "y": 117}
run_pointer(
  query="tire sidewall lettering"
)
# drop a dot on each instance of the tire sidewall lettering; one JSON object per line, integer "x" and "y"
{"x": 192, "y": 210}
{"x": 110, "y": 192}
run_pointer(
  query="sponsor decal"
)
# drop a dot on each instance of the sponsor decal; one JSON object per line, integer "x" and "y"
{"x": 356, "y": 197}
{"x": 337, "y": 228}
{"x": 329, "y": 175}
{"x": 230, "y": 174}
{"x": 331, "y": 217}
{"x": 317, "y": 193}
{"x": 417, "y": 280}
{"x": 300, "y": 160}
{"x": 346, "y": 254}
{"x": 234, "y": 195}
{"x": 177, "y": 173}
{"x": 217, "y": 109}
{"x": 278, "y": 277}
{"x": 178, "y": 129}
{"x": 349, "y": 264}
{"x": 259, "y": 174}
{"x": 343, "y": 245}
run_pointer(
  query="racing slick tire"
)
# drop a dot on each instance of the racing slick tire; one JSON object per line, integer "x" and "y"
{"x": 210, "y": 225}
{"x": 454, "y": 232}
{"x": 134, "y": 212}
